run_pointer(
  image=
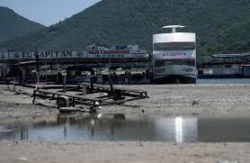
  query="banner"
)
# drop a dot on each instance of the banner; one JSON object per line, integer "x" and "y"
{"x": 112, "y": 54}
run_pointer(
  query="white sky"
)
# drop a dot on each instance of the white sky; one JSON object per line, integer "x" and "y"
{"x": 47, "y": 12}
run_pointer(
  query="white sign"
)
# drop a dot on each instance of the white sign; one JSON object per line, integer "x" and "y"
{"x": 174, "y": 54}
{"x": 45, "y": 54}
{"x": 73, "y": 54}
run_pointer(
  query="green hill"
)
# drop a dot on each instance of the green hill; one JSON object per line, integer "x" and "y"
{"x": 115, "y": 22}
{"x": 235, "y": 39}
{"x": 13, "y": 25}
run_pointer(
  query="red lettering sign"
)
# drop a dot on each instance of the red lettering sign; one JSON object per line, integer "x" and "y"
{"x": 109, "y": 52}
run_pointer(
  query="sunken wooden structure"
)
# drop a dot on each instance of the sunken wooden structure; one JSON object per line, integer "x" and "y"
{"x": 92, "y": 96}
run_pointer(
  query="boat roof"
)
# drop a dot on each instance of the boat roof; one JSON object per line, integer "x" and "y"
{"x": 173, "y": 26}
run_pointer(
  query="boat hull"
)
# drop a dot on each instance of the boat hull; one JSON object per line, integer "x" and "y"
{"x": 181, "y": 74}
{"x": 175, "y": 79}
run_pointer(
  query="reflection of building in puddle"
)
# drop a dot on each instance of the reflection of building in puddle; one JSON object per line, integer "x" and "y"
{"x": 178, "y": 129}
{"x": 134, "y": 127}
{"x": 174, "y": 129}
{"x": 12, "y": 132}
{"x": 24, "y": 133}
{"x": 111, "y": 127}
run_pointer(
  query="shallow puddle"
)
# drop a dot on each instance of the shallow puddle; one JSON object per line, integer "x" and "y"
{"x": 119, "y": 127}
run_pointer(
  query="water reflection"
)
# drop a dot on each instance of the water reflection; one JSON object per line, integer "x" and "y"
{"x": 112, "y": 127}
{"x": 177, "y": 129}
{"x": 119, "y": 127}
{"x": 233, "y": 129}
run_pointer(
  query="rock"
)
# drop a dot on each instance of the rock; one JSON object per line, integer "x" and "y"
{"x": 195, "y": 103}
{"x": 23, "y": 158}
{"x": 193, "y": 113}
{"x": 227, "y": 161}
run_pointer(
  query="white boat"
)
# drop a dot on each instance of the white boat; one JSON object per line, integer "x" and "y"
{"x": 174, "y": 56}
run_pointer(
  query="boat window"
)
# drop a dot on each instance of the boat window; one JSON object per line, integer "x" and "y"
{"x": 191, "y": 63}
{"x": 174, "y": 46}
{"x": 180, "y": 62}
{"x": 159, "y": 63}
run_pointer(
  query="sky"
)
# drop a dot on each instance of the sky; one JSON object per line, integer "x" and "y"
{"x": 47, "y": 12}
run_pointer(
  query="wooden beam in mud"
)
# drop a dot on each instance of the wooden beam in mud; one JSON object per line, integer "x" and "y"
{"x": 65, "y": 94}
{"x": 106, "y": 88}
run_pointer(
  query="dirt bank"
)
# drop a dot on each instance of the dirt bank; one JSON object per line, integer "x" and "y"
{"x": 14, "y": 104}
{"x": 122, "y": 152}
{"x": 201, "y": 100}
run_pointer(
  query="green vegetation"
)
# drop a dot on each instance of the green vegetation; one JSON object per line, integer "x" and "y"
{"x": 235, "y": 39}
{"x": 221, "y": 25}
{"x": 13, "y": 25}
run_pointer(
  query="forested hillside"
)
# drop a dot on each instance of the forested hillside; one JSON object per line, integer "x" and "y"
{"x": 13, "y": 25}
{"x": 221, "y": 25}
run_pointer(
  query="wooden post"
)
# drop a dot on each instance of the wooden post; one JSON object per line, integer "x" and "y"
{"x": 83, "y": 89}
{"x": 111, "y": 86}
{"x": 37, "y": 69}
{"x": 8, "y": 85}
{"x": 91, "y": 83}
{"x": 73, "y": 102}
{"x": 64, "y": 83}
{"x": 14, "y": 87}
{"x": 34, "y": 95}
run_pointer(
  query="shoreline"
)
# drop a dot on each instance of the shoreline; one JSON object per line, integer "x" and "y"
{"x": 202, "y": 100}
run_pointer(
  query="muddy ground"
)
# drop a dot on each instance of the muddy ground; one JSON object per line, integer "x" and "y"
{"x": 169, "y": 100}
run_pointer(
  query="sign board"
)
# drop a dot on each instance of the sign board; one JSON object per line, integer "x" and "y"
{"x": 74, "y": 54}
{"x": 174, "y": 54}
